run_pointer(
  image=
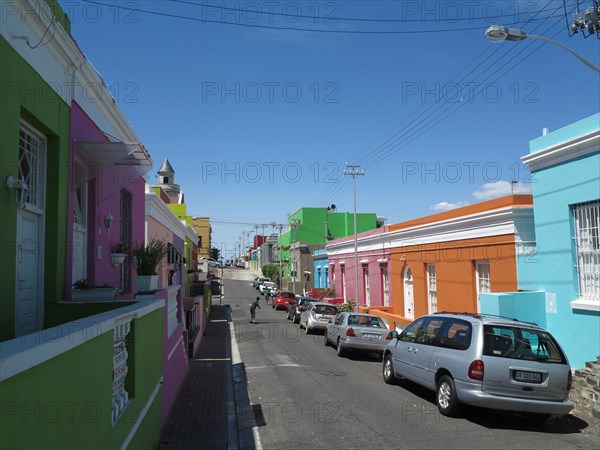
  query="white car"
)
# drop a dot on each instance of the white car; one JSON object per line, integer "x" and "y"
{"x": 211, "y": 262}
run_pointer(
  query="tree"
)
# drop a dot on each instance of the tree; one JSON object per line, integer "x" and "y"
{"x": 215, "y": 253}
{"x": 271, "y": 271}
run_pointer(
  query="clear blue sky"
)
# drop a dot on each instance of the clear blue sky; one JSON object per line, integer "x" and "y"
{"x": 258, "y": 122}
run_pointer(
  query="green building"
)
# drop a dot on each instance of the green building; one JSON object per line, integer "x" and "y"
{"x": 315, "y": 227}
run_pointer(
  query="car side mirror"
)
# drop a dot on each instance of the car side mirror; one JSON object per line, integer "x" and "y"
{"x": 395, "y": 334}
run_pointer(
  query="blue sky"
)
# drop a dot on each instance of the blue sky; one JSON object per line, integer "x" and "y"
{"x": 259, "y": 122}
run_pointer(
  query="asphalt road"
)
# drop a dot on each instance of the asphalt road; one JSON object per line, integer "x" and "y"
{"x": 306, "y": 397}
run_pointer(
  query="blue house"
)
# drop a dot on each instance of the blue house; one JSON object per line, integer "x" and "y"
{"x": 559, "y": 277}
{"x": 321, "y": 268}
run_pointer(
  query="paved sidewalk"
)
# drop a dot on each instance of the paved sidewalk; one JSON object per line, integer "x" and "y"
{"x": 205, "y": 415}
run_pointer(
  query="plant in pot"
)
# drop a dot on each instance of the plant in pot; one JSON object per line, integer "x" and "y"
{"x": 118, "y": 254}
{"x": 146, "y": 258}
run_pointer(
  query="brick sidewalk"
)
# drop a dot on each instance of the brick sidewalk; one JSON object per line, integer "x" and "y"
{"x": 199, "y": 417}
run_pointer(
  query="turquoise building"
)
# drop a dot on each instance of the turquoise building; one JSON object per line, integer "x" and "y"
{"x": 321, "y": 268}
{"x": 559, "y": 276}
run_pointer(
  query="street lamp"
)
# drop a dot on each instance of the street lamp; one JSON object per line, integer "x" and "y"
{"x": 354, "y": 170}
{"x": 498, "y": 33}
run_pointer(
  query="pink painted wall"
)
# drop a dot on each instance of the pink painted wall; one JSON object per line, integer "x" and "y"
{"x": 175, "y": 361}
{"x": 103, "y": 196}
{"x": 159, "y": 231}
{"x": 372, "y": 265}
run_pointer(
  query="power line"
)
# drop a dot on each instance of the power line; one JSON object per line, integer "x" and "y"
{"x": 334, "y": 190}
{"x": 308, "y": 30}
{"x": 350, "y": 19}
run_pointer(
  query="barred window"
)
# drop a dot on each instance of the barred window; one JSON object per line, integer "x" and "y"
{"x": 587, "y": 240}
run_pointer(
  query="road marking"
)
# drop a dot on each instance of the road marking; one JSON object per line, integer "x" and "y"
{"x": 298, "y": 366}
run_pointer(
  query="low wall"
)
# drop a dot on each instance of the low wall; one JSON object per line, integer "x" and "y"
{"x": 395, "y": 321}
{"x": 75, "y": 387}
{"x": 585, "y": 392}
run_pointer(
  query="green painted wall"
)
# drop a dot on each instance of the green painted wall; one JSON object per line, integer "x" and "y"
{"x": 59, "y": 313}
{"x": 25, "y": 95}
{"x": 312, "y": 229}
{"x": 66, "y": 402}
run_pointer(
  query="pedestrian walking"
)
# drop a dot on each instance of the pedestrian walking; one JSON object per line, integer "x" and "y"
{"x": 253, "y": 307}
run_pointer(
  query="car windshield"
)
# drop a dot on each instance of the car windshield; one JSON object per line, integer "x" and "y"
{"x": 521, "y": 343}
{"x": 287, "y": 295}
{"x": 325, "y": 309}
{"x": 365, "y": 321}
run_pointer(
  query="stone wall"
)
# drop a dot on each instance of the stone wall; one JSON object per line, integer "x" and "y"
{"x": 585, "y": 391}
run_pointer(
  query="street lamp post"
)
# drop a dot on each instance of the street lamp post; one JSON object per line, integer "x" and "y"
{"x": 498, "y": 33}
{"x": 354, "y": 170}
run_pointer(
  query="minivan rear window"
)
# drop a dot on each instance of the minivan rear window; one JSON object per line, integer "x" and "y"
{"x": 521, "y": 343}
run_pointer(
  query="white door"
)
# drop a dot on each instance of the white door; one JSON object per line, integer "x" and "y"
{"x": 367, "y": 287}
{"x": 482, "y": 269}
{"x": 79, "y": 259}
{"x": 409, "y": 303}
{"x": 29, "y": 293}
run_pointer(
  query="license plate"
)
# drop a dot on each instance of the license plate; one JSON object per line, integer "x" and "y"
{"x": 528, "y": 377}
{"x": 368, "y": 335}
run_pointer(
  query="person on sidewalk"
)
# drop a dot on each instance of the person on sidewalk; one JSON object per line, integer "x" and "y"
{"x": 253, "y": 310}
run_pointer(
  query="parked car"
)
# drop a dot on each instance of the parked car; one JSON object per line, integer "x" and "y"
{"x": 211, "y": 262}
{"x": 482, "y": 360}
{"x": 258, "y": 283}
{"x": 268, "y": 287}
{"x": 317, "y": 316}
{"x": 357, "y": 331}
{"x": 297, "y": 306}
{"x": 282, "y": 300}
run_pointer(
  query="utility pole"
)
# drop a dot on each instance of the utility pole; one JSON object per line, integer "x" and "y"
{"x": 354, "y": 170}
{"x": 294, "y": 224}
{"x": 280, "y": 227}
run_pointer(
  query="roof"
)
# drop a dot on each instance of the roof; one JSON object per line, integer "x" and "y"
{"x": 166, "y": 167}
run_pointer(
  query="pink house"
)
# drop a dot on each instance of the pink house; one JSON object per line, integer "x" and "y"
{"x": 373, "y": 259}
{"x": 105, "y": 198}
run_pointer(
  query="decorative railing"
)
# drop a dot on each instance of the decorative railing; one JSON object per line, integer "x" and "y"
{"x": 120, "y": 396}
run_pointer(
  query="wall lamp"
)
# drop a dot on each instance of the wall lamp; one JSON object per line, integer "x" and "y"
{"x": 108, "y": 221}
{"x": 20, "y": 188}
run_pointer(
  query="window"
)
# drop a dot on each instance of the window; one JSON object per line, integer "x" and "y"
{"x": 429, "y": 334}
{"x": 386, "y": 286}
{"x": 410, "y": 333}
{"x": 32, "y": 151}
{"x": 126, "y": 237}
{"x": 521, "y": 343}
{"x": 456, "y": 335}
{"x": 482, "y": 269}
{"x": 587, "y": 239}
{"x": 431, "y": 288}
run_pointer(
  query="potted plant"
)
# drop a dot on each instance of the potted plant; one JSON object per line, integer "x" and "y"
{"x": 118, "y": 254}
{"x": 146, "y": 258}
{"x": 83, "y": 291}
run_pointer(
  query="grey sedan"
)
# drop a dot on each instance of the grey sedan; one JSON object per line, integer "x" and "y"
{"x": 357, "y": 331}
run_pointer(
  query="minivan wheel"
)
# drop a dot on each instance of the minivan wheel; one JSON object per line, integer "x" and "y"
{"x": 447, "y": 401}
{"x": 388, "y": 370}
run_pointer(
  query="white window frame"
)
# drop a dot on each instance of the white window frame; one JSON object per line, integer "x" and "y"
{"x": 431, "y": 288}
{"x": 484, "y": 279}
{"x": 586, "y": 221}
{"x": 36, "y": 178}
{"x": 385, "y": 285}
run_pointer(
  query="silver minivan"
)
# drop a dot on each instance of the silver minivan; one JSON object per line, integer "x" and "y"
{"x": 482, "y": 360}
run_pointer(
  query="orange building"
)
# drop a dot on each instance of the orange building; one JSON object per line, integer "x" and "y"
{"x": 444, "y": 261}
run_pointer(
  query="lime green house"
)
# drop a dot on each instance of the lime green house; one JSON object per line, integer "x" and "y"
{"x": 310, "y": 229}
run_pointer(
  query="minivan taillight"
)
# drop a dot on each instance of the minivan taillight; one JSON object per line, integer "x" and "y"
{"x": 389, "y": 336}
{"x": 350, "y": 332}
{"x": 476, "y": 370}
{"x": 569, "y": 381}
